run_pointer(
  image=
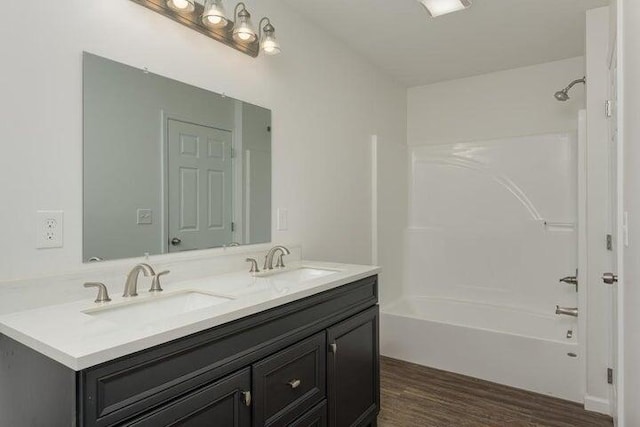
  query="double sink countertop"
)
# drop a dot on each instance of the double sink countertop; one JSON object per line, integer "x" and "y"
{"x": 82, "y": 334}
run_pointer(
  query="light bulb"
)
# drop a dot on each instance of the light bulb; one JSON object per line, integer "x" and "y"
{"x": 243, "y": 30}
{"x": 270, "y": 46}
{"x": 214, "y": 15}
{"x": 181, "y": 5}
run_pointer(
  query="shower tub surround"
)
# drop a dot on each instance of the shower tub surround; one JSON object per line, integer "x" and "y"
{"x": 485, "y": 252}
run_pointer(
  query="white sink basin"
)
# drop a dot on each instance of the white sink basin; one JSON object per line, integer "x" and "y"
{"x": 301, "y": 274}
{"x": 158, "y": 307}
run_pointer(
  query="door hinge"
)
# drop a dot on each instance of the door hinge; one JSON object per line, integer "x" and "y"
{"x": 608, "y": 108}
{"x": 233, "y": 226}
{"x": 609, "y": 242}
{"x": 268, "y": 128}
{"x": 609, "y": 375}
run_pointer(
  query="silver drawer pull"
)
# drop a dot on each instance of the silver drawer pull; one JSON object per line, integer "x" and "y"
{"x": 246, "y": 397}
{"x": 295, "y": 384}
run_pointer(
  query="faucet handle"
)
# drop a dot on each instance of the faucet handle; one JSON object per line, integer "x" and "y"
{"x": 280, "y": 261}
{"x": 155, "y": 281}
{"x": 103, "y": 293}
{"x": 254, "y": 266}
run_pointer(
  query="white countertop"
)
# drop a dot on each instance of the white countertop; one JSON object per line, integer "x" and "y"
{"x": 78, "y": 340}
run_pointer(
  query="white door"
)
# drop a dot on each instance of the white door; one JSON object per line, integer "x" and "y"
{"x": 614, "y": 184}
{"x": 199, "y": 186}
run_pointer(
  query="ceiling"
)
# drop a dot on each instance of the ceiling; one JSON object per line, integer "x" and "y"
{"x": 398, "y": 36}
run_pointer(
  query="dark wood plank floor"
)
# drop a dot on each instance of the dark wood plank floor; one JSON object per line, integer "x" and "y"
{"x": 416, "y": 396}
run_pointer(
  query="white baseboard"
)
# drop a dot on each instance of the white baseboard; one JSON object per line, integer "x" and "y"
{"x": 597, "y": 404}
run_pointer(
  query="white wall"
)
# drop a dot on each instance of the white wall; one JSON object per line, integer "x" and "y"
{"x": 326, "y": 103}
{"x": 509, "y": 103}
{"x": 629, "y": 14}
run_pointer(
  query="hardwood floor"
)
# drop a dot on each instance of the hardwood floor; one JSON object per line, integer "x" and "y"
{"x": 416, "y": 396}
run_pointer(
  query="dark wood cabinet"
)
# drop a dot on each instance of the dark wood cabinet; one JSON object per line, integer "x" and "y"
{"x": 309, "y": 363}
{"x": 353, "y": 371}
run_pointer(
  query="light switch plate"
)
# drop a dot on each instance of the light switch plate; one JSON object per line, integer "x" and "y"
{"x": 283, "y": 219}
{"x": 145, "y": 216}
{"x": 49, "y": 229}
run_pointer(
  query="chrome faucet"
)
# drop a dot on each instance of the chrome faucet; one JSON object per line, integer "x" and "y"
{"x": 131, "y": 285}
{"x": 268, "y": 260}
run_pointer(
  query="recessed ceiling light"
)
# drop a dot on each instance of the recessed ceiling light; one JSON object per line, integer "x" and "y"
{"x": 442, "y": 7}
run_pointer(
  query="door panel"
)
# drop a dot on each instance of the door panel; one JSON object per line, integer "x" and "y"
{"x": 353, "y": 370}
{"x": 199, "y": 186}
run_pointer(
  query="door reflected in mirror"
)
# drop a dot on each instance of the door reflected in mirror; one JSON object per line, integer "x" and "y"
{"x": 170, "y": 167}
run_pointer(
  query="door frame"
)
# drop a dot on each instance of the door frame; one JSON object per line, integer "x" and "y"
{"x": 616, "y": 57}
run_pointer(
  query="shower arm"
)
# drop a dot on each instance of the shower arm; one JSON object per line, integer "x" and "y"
{"x": 575, "y": 82}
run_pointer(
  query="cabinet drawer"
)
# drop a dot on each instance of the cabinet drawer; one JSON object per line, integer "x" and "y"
{"x": 289, "y": 383}
{"x": 219, "y": 404}
{"x": 317, "y": 417}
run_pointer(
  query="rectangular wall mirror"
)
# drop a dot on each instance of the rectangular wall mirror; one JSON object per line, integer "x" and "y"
{"x": 170, "y": 167}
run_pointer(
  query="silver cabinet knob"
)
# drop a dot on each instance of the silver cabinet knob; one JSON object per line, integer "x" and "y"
{"x": 175, "y": 241}
{"x": 609, "y": 278}
{"x": 246, "y": 398}
{"x": 294, "y": 384}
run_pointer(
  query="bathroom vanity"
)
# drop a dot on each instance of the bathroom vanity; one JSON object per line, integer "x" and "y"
{"x": 307, "y": 356}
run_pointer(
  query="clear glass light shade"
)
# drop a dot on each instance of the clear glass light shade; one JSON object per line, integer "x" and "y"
{"x": 182, "y": 5}
{"x": 243, "y": 31}
{"x": 214, "y": 15}
{"x": 442, "y": 7}
{"x": 270, "y": 45}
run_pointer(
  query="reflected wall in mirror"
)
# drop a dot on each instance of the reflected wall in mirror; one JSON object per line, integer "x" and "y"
{"x": 170, "y": 167}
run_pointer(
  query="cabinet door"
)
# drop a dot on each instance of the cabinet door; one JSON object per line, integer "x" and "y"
{"x": 353, "y": 370}
{"x": 224, "y": 403}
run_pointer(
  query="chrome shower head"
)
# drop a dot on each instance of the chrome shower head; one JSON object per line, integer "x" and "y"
{"x": 563, "y": 95}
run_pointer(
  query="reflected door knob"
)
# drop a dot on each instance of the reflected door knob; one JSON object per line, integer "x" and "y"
{"x": 175, "y": 241}
{"x": 609, "y": 278}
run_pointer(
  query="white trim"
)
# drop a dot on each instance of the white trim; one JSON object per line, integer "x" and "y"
{"x": 597, "y": 404}
{"x": 374, "y": 199}
{"x": 619, "y": 417}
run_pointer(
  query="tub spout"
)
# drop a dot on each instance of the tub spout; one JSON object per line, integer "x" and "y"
{"x": 566, "y": 311}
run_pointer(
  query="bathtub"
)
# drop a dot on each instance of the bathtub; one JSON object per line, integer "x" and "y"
{"x": 513, "y": 347}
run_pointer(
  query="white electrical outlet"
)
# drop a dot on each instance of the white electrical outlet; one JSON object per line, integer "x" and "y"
{"x": 49, "y": 229}
{"x": 282, "y": 219}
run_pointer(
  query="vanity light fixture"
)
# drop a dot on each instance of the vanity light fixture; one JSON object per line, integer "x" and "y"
{"x": 183, "y": 6}
{"x": 243, "y": 30}
{"x": 214, "y": 15}
{"x": 268, "y": 42}
{"x": 209, "y": 18}
{"x": 437, "y": 8}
